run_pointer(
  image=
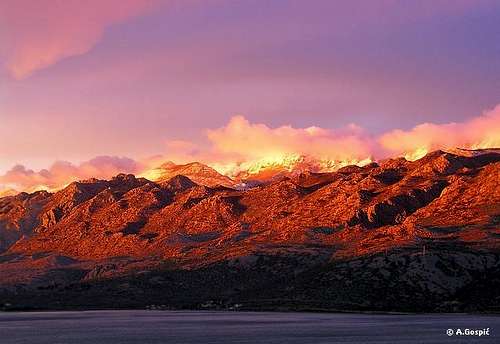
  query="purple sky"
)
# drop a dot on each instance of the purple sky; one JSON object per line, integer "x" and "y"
{"x": 124, "y": 77}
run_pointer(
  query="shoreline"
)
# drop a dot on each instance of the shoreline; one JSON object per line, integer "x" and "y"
{"x": 305, "y": 311}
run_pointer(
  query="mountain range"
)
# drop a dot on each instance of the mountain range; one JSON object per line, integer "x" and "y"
{"x": 399, "y": 235}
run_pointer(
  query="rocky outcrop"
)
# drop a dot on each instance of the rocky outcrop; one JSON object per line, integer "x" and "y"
{"x": 197, "y": 172}
{"x": 20, "y": 216}
{"x": 445, "y": 202}
{"x": 395, "y": 209}
{"x": 98, "y": 219}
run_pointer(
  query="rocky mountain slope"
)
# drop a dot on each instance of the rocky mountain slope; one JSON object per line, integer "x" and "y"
{"x": 197, "y": 172}
{"x": 397, "y": 235}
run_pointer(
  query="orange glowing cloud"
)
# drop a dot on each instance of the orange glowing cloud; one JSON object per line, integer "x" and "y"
{"x": 4, "y": 192}
{"x": 479, "y": 132}
{"x": 37, "y": 34}
{"x": 255, "y": 141}
{"x": 242, "y": 146}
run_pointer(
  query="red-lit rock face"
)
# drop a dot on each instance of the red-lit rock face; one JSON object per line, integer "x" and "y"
{"x": 349, "y": 213}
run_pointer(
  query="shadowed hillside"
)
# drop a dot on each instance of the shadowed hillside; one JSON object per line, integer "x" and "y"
{"x": 398, "y": 235}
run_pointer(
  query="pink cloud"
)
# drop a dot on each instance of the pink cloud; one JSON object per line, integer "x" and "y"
{"x": 241, "y": 145}
{"x": 255, "y": 141}
{"x": 62, "y": 173}
{"x": 37, "y": 34}
{"x": 478, "y": 132}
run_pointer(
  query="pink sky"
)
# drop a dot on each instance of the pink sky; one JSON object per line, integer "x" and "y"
{"x": 83, "y": 79}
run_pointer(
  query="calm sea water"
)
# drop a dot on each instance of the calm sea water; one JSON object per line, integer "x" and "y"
{"x": 96, "y": 327}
